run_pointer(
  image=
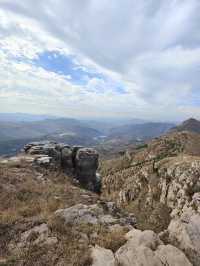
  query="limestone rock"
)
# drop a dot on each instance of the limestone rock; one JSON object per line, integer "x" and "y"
{"x": 76, "y": 160}
{"x": 43, "y": 160}
{"x": 102, "y": 257}
{"x": 38, "y": 235}
{"x": 146, "y": 238}
{"x": 131, "y": 255}
{"x": 172, "y": 256}
{"x": 80, "y": 213}
{"x": 89, "y": 214}
{"x": 86, "y": 164}
{"x": 145, "y": 248}
{"x": 186, "y": 235}
{"x": 66, "y": 158}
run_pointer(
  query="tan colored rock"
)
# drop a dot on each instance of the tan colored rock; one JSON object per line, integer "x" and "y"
{"x": 146, "y": 249}
{"x": 91, "y": 214}
{"x": 131, "y": 255}
{"x": 172, "y": 256}
{"x": 146, "y": 238}
{"x": 102, "y": 257}
{"x": 185, "y": 234}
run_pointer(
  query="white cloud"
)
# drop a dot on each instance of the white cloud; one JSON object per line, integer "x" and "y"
{"x": 152, "y": 47}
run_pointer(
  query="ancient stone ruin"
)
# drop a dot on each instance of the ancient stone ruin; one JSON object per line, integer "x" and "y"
{"x": 77, "y": 161}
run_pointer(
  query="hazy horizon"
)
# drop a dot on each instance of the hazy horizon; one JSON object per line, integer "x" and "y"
{"x": 97, "y": 119}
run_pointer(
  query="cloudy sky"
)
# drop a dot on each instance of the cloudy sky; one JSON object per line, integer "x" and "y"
{"x": 100, "y": 58}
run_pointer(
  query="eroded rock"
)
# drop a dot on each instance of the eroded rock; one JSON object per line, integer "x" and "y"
{"x": 185, "y": 234}
{"x": 91, "y": 214}
{"x": 145, "y": 248}
{"x": 102, "y": 257}
{"x": 76, "y": 160}
{"x": 86, "y": 164}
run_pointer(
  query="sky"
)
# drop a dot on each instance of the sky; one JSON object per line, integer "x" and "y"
{"x": 98, "y": 58}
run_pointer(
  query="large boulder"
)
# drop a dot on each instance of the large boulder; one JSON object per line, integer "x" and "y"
{"x": 172, "y": 256}
{"x": 102, "y": 257}
{"x": 185, "y": 234}
{"x": 93, "y": 214}
{"x": 145, "y": 248}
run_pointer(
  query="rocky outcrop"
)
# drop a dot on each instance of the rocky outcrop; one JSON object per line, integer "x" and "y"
{"x": 86, "y": 164}
{"x": 185, "y": 234}
{"x": 172, "y": 183}
{"x": 145, "y": 248}
{"x": 142, "y": 248}
{"x": 77, "y": 161}
{"x": 96, "y": 214}
{"x": 37, "y": 235}
{"x": 161, "y": 186}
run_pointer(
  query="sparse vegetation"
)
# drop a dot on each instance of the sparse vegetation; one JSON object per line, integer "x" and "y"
{"x": 29, "y": 198}
{"x": 142, "y": 146}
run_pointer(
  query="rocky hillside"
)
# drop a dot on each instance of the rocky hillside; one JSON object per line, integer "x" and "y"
{"x": 143, "y": 208}
{"x": 160, "y": 184}
{"x": 47, "y": 217}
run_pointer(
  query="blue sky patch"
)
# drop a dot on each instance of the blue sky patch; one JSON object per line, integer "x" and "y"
{"x": 64, "y": 65}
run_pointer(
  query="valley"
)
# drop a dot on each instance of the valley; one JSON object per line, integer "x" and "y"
{"x": 108, "y": 138}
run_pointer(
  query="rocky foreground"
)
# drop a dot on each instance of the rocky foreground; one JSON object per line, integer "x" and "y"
{"x": 53, "y": 210}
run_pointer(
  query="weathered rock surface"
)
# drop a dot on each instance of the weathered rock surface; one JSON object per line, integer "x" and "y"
{"x": 94, "y": 214}
{"x": 185, "y": 234}
{"x": 161, "y": 186}
{"x": 38, "y": 235}
{"x": 102, "y": 257}
{"x": 170, "y": 255}
{"x": 86, "y": 164}
{"x": 76, "y": 160}
{"x": 145, "y": 248}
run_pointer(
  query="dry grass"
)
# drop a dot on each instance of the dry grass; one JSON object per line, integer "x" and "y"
{"x": 26, "y": 202}
{"x": 111, "y": 239}
{"x": 108, "y": 167}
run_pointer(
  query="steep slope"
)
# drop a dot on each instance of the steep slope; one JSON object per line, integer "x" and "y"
{"x": 136, "y": 182}
{"x": 160, "y": 184}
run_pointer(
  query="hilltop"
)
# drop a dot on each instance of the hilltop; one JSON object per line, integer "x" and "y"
{"x": 192, "y": 125}
{"x": 146, "y": 208}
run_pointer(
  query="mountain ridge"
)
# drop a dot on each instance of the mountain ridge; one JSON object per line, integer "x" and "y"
{"x": 190, "y": 124}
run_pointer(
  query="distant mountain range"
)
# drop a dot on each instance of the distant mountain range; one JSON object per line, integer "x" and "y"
{"x": 13, "y": 135}
{"x": 22, "y": 117}
{"x": 141, "y": 131}
{"x": 47, "y": 127}
{"x": 18, "y": 129}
